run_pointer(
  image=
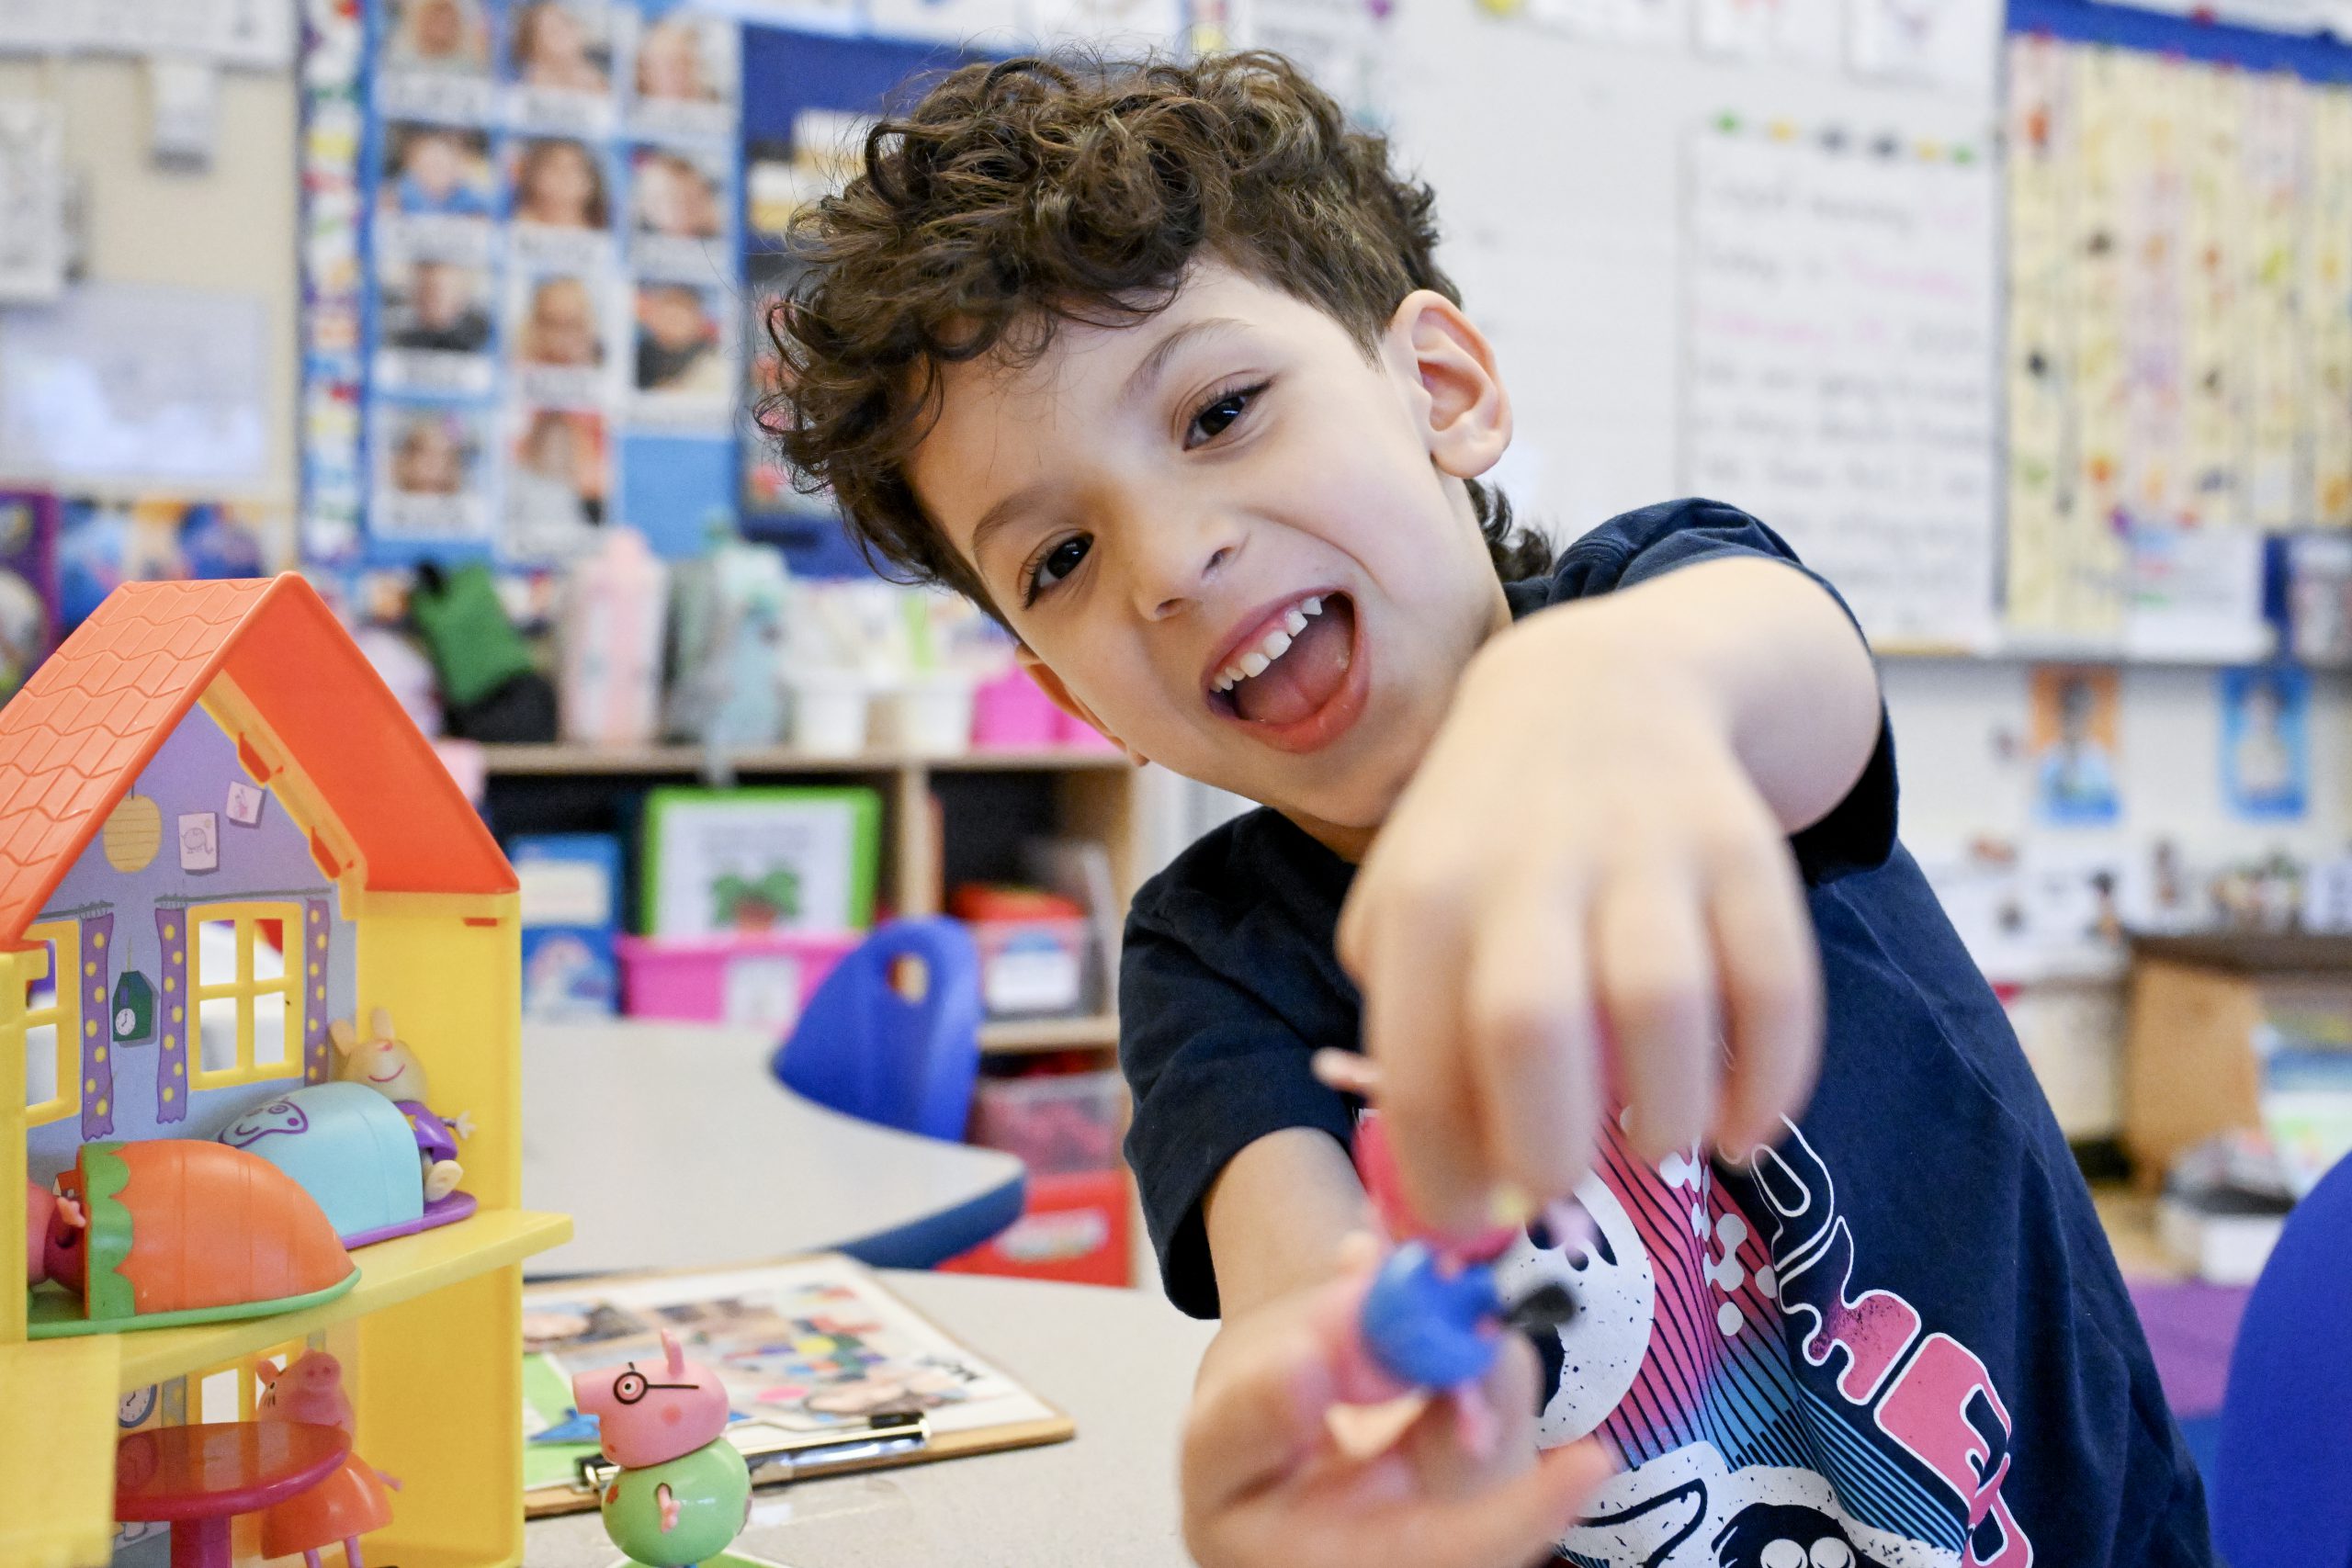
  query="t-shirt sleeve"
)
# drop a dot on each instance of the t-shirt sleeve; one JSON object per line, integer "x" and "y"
{"x": 1210, "y": 1069}
{"x": 1858, "y": 832}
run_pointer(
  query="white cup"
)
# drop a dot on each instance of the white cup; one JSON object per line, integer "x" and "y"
{"x": 828, "y": 712}
{"x": 930, "y": 714}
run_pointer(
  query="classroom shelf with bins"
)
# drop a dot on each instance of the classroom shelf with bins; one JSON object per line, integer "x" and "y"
{"x": 945, "y": 819}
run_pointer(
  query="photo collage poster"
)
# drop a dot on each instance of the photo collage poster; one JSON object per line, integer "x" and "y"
{"x": 541, "y": 275}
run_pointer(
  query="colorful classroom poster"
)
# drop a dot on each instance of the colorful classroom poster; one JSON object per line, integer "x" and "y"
{"x": 2266, "y": 746}
{"x": 2074, "y": 738}
{"x": 523, "y": 274}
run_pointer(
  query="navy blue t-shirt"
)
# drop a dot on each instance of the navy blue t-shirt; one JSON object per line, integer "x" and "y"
{"x": 1899, "y": 1337}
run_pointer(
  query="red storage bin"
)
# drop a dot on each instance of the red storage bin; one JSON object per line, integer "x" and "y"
{"x": 1072, "y": 1227}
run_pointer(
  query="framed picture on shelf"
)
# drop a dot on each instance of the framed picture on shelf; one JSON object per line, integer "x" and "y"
{"x": 723, "y": 862}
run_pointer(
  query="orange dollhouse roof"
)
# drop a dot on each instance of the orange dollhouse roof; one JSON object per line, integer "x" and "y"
{"x": 75, "y": 738}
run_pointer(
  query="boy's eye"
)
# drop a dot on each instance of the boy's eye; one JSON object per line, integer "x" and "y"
{"x": 1057, "y": 564}
{"x": 1217, "y": 415}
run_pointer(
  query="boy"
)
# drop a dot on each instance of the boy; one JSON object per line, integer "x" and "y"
{"x": 1155, "y": 365}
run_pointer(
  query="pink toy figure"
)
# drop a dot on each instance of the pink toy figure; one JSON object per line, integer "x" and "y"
{"x": 308, "y": 1388}
{"x": 641, "y": 1423}
{"x": 684, "y": 1490}
{"x": 54, "y": 1234}
{"x": 385, "y": 1063}
{"x": 353, "y": 1499}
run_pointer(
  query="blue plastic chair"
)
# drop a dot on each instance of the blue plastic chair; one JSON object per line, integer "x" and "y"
{"x": 868, "y": 1051}
{"x": 2283, "y": 1470}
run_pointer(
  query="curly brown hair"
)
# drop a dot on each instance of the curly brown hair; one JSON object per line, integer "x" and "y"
{"x": 1019, "y": 195}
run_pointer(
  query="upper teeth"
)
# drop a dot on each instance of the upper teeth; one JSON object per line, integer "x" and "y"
{"x": 1271, "y": 647}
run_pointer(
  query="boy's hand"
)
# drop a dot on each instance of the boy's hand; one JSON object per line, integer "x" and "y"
{"x": 1583, "y": 889}
{"x": 1265, "y": 1484}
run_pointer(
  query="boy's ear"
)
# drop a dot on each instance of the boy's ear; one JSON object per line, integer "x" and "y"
{"x": 1464, "y": 411}
{"x": 1059, "y": 695}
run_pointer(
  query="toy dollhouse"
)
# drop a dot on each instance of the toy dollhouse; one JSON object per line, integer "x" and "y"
{"x": 218, "y": 836}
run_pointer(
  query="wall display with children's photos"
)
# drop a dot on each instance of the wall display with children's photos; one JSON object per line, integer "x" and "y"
{"x": 521, "y": 275}
{"x": 2181, "y": 308}
{"x": 2266, "y": 741}
{"x": 1839, "y": 311}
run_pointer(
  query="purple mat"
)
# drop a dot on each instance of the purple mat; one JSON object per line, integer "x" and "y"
{"x": 2190, "y": 1329}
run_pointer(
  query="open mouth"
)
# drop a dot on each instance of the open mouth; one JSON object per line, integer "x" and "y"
{"x": 1298, "y": 677}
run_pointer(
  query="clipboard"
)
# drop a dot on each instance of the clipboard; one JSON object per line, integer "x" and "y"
{"x": 827, "y": 1372}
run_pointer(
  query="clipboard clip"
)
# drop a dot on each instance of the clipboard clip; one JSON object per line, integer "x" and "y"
{"x": 776, "y": 1455}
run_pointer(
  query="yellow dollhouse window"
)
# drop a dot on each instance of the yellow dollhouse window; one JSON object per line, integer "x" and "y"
{"x": 248, "y": 996}
{"x": 50, "y": 1023}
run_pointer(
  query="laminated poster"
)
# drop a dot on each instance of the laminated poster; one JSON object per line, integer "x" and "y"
{"x": 2074, "y": 730}
{"x": 2266, "y": 747}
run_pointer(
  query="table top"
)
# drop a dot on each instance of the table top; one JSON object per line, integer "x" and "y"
{"x": 1120, "y": 1362}
{"x": 210, "y": 1470}
{"x": 672, "y": 1146}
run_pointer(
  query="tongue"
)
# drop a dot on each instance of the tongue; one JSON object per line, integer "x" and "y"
{"x": 1304, "y": 677}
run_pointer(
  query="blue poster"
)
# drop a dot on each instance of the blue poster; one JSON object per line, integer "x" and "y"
{"x": 2265, "y": 751}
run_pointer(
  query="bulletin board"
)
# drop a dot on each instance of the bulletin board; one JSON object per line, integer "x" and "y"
{"x": 522, "y": 275}
{"x": 2181, "y": 317}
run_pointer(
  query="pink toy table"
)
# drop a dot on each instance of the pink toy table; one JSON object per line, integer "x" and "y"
{"x": 198, "y": 1478}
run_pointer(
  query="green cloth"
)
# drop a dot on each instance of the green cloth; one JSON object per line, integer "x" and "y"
{"x": 475, "y": 649}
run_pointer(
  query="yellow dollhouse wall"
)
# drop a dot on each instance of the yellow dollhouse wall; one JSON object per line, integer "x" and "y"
{"x": 439, "y": 1378}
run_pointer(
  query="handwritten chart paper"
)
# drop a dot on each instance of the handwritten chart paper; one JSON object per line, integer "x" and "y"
{"x": 1839, "y": 362}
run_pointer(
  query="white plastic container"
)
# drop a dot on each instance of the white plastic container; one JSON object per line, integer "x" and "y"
{"x": 930, "y": 714}
{"x": 828, "y": 711}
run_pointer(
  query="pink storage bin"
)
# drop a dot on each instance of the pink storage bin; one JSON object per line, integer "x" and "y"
{"x": 764, "y": 980}
{"x": 1010, "y": 713}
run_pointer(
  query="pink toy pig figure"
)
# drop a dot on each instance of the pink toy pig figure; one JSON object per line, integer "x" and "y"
{"x": 645, "y": 1422}
{"x": 310, "y": 1388}
{"x": 53, "y": 1227}
{"x": 352, "y": 1500}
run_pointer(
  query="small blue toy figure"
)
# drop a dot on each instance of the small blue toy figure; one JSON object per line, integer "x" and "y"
{"x": 1434, "y": 1316}
{"x": 684, "y": 1493}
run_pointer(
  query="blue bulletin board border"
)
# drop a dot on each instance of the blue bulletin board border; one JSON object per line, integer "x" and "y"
{"x": 2315, "y": 57}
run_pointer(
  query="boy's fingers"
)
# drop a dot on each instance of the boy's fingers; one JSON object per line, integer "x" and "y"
{"x": 1412, "y": 1000}
{"x": 1657, "y": 986}
{"x": 1771, "y": 991}
{"x": 1258, "y": 1416}
{"x": 1533, "y": 1039}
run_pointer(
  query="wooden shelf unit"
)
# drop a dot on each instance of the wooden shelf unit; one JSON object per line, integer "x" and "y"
{"x": 1094, "y": 794}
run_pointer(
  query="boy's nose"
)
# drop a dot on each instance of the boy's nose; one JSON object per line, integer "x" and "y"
{"x": 1175, "y": 571}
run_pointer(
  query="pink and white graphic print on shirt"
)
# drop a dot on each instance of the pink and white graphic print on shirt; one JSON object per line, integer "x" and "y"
{"x": 1768, "y": 1409}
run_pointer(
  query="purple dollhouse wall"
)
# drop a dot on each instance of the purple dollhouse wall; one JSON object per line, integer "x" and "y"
{"x": 143, "y": 1088}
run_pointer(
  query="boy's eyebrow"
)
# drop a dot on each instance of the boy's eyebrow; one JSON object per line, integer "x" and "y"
{"x": 998, "y": 515}
{"x": 1146, "y": 374}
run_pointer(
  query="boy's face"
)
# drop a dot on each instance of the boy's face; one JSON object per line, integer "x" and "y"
{"x": 1155, "y": 507}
